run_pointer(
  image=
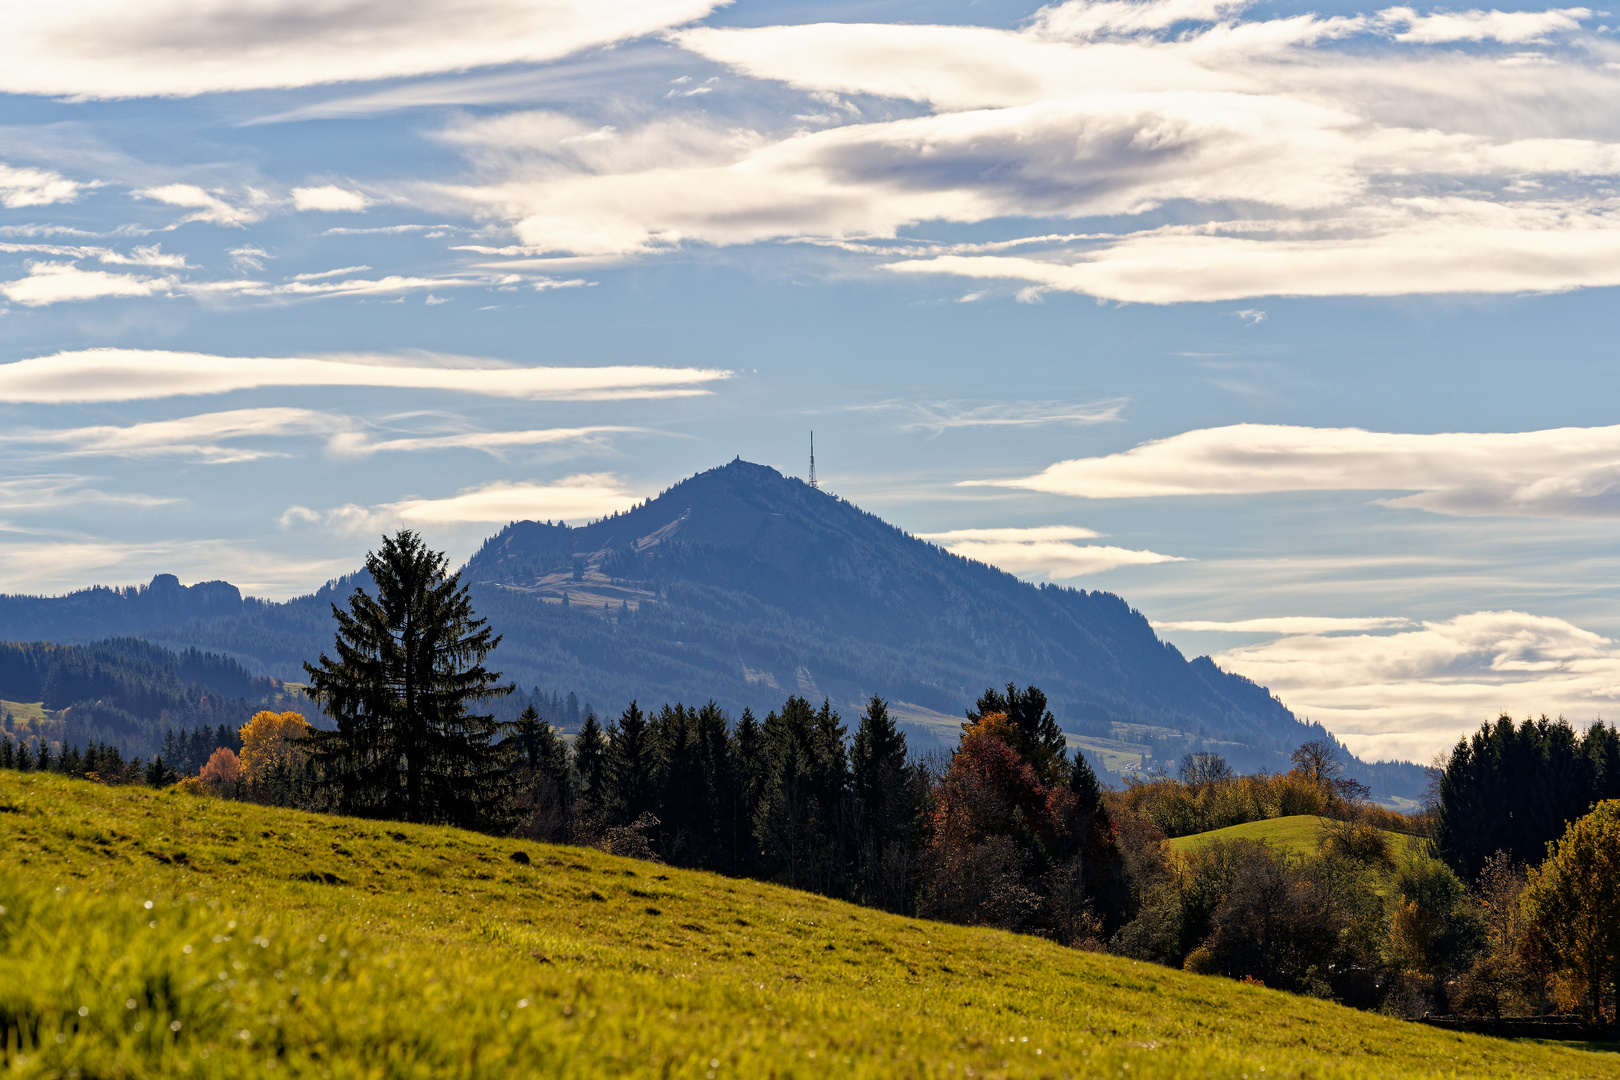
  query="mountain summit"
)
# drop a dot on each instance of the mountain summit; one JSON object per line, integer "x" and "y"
{"x": 742, "y": 584}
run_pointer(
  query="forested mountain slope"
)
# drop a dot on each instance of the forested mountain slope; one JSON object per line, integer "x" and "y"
{"x": 745, "y": 586}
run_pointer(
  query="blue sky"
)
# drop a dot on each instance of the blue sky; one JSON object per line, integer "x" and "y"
{"x": 1294, "y": 325}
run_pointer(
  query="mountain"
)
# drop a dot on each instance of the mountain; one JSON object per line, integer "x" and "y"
{"x": 742, "y": 585}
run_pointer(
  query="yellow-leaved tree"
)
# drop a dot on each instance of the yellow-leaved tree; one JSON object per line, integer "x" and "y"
{"x": 271, "y": 739}
{"x": 1573, "y": 898}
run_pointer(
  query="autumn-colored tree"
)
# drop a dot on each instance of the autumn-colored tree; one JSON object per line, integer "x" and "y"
{"x": 1573, "y": 898}
{"x": 995, "y": 830}
{"x": 271, "y": 740}
{"x": 222, "y": 771}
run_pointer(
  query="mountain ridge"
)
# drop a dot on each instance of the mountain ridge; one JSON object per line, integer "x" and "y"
{"x": 743, "y": 585}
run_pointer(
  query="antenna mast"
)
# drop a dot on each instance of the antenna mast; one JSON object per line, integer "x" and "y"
{"x": 813, "y": 461}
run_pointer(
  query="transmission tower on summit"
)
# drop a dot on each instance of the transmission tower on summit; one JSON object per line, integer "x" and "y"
{"x": 813, "y": 482}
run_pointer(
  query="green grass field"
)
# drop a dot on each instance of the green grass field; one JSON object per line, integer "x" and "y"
{"x": 1296, "y": 835}
{"x": 148, "y": 934}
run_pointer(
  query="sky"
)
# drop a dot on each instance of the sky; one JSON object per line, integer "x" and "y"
{"x": 1292, "y": 324}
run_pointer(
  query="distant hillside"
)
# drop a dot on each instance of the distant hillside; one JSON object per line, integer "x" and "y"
{"x": 126, "y": 692}
{"x": 743, "y": 585}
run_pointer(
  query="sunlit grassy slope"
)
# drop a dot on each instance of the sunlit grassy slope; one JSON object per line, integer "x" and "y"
{"x": 278, "y": 943}
{"x": 1297, "y": 835}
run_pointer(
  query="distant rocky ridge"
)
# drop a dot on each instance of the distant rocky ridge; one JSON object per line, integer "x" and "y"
{"x": 742, "y": 585}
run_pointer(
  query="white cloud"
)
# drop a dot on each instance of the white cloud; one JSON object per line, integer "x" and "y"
{"x": 148, "y": 255}
{"x": 1561, "y": 472}
{"x": 1308, "y": 155}
{"x": 1287, "y": 624}
{"x": 574, "y": 498}
{"x": 210, "y": 206}
{"x": 1017, "y": 535}
{"x": 328, "y": 197}
{"x": 250, "y": 257}
{"x": 938, "y": 416}
{"x": 1508, "y": 27}
{"x": 1411, "y": 693}
{"x": 113, "y": 49}
{"x": 59, "y": 282}
{"x": 215, "y": 438}
{"x": 1042, "y": 549}
{"x": 490, "y": 442}
{"x": 54, "y": 493}
{"x": 319, "y": 274}
{"x": 135, "y": 374}
{"x": 20, "y": 187}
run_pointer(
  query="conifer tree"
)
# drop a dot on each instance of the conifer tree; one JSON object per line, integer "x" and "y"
{"x": 886, "y": 808}
{"x": 590, "y": 759}
{"x": 25, "y": 760}
{"x": 409, "y": 666}
{"x": 542, "y": 759}
{"x": 8, "y": 759}
{"x": 631, "y": 765}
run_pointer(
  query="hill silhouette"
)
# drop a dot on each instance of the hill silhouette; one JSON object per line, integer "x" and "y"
{"x": 743, "y": 585}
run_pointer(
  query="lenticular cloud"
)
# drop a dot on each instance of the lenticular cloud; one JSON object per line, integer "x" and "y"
{"x": 1562, "y": 472}
{"x": 136, "y": 374}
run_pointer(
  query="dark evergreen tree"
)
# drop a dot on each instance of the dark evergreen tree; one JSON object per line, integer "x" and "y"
{"x": 198, "y": 749}
{"x": 42, "y": 757}
{"x": 632, "y": 765}
{"x": 170, "y": 750}
{"x": 590, "y": 760}
{"x": 8, "y": 759}
{"x": 158, "y": 774}
{"x": 887, "y": 808}
{"x": 545, "y": 782}
{"x": 24, "y": 759}
{"x": 409, "y": 667}
{"x": 752, "y": 774}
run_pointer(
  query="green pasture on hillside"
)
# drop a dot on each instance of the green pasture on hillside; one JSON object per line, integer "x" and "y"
{"x": 1298, "y": 834}
{"x": 158, "y": 934}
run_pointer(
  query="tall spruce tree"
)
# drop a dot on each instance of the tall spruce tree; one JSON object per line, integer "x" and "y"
{"x": 887, "y": 808}
{"x": 590, "y": 760}
{"x": 409, "y": 668}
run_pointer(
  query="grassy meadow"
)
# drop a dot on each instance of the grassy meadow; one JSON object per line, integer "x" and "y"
{"x": 148, "y": 934}
{"x": 1298, "y": 834}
